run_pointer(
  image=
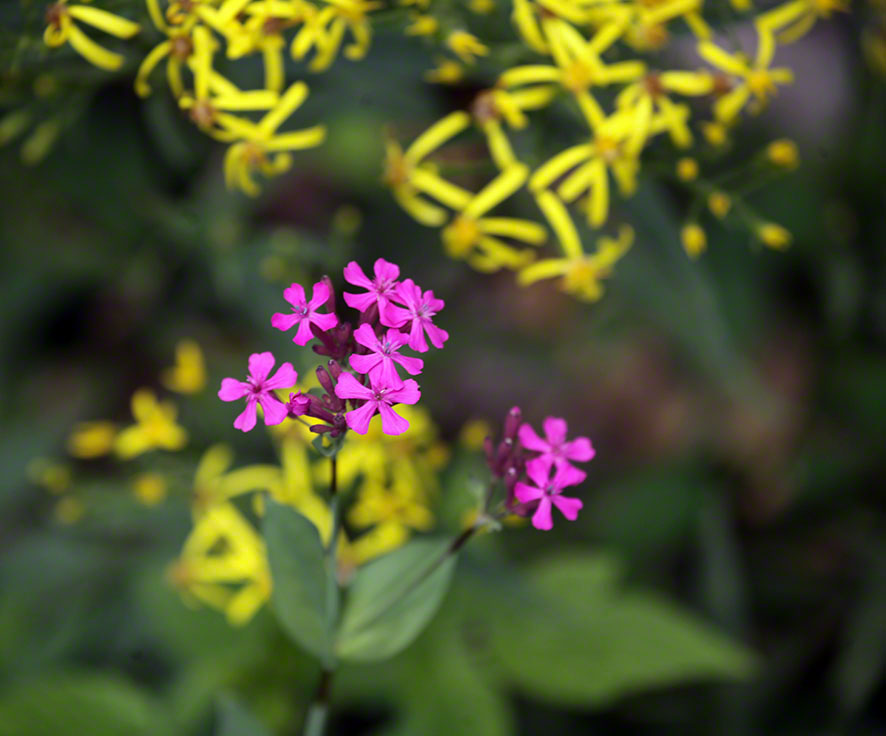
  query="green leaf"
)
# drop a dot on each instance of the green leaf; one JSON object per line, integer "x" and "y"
{"x": 80, "y": 704}
{"x": 392, "y": 600}
{"x": 234, "y": 719}
{"x": 580, "y": 640}
{"x": 300, "y": 579}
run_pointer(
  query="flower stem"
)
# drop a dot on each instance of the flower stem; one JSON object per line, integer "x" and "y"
{"x": 318, "y": 713}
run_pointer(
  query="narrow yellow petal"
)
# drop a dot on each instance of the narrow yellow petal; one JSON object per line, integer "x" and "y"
{"x": 598, "y": 208}
{"x": 532, "y": 74}
{"x": 507, "y": 227}
{"x": 142, "y": 88}
{"x": 92, "y": 52}
{"x": 298, "y": 139}
{"x": 443, "y": 191}
{"x": 292, "y": 99}
{"x": 104, "y": 21}
{"x": 498, "y": 190}
{"x": 719, "y": 58}
{"x": 551, "y": 170}
{"x": 561, "y": 223}
{"x": 438, "y": 134}
{"x": 546, "y": 269}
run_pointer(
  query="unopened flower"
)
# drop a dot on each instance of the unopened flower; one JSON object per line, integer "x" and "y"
{"x": 719, "y": 203}
{"x": 378, "y": 291}
{"x": 783, "y": 153}
{"x": 258, "y": 388}
{"x": 379, "y": 364}
{"x": 90, "y": 440}
{"x": 378, "y": 399}
{"x": 304, "y": 313}
{"x": 555, "y": 449}
{"x": 687, "y": 169}
{"x": 466, "y": 46}
{"x": 694, "y": 239}
{"x": 773, "y": 235}
{"x": 417, "y": 311}
{"x": 548, "y": 492}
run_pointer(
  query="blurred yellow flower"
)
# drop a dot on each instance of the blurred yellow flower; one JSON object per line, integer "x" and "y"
{"x": 91, "y": 439}
{"x": 687, "y": 169}
{"x": 61, "y": 28}
{"x": 719, "y": 203}
{"x": 155, "y": 427}
{"x": 466, "y": 46}
{"x": 188, "y": 375}
{"x": 150, "y": 488}
{"x": 773, "y": 236}
{"x": 783, "y": 153}
{"x": 694, "y": 239}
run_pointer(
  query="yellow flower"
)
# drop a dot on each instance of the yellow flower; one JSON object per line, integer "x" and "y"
{"x": 749, "y": 79}
{"x": 188, "y": 375}
{"x": 783, "y": 153}
{"x": 715, "y": 133}
{"x": 582, "y": 273}
{"x": 149, "y": 488}
{"x": 259, "y": 140}
{"x": 53, "y": 476}
{"x": 476, "y": 238}
{"x": 694, "y": 239}
{"x": 466, "y": 46}
{"x": 481, "y": 7}
{"x": 214, "y": 484}
{"x": 793, "y": 19}
{"x": 69, "y": 510}
{"x": 447, "y": 71}
{"x": 422, "y": 25}
{"x": 61, "y": 28}
{"x": 473, "y": 433}
{"x": 91, "y": 439}
{"x": 224, "y": 564}
{"x": 155, "y": 427}
{"x": 177, "y": 49}
{"x": 537, "y": 21}
{"x": 719, "y": 203}
{"x": 613, "y": 148}
{"x": 687, "y": 169}
{"x": 326, "y": 30}
{"x": 492, "y": 106}
{"x": 773, "y": 236}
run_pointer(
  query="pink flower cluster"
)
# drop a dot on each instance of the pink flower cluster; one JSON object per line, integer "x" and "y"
{"x": 547, "y": 463}
{"x": 394, "y": 315}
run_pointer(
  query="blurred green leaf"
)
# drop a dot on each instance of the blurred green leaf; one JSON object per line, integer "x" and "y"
{"x": 80, "y": 704}
{"x": 584, "y": 641}
{"x": 298, "y": 569}
{"x": 393, "y": 599}
{"x": 234, "y": 720}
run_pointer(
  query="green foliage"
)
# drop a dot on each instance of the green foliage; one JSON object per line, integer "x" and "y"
{"x": 80, "y": 703}
{"x": 392, "y": 599}
{"x": 300, "y": 595}
{"x": 234, "y": 720}
{"x": 579, "y": 639}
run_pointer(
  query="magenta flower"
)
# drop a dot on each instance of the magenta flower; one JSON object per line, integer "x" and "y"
{"x": 257, "y": 388}
{"x": 304, "y": 313}
{"x": 379, "y": 364}
{"x": 417, "y": 310}
{"x": 548, "y": 492}
{"x": 379, "y": 290}
{"x": 378, "y": 398}
{"x": 554, "y": 449}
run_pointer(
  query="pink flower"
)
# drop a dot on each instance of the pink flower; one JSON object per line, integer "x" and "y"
{"x": 304, "y": 313}
{"x": 257, "y": 388}
{"x": 554, "y": 449}
{"x": 379, "y": 364}
{"x": 418, "y": 309}
{"x": 379, "y": 290}
{"x": 378, "y": 398}
{"x": 547, "y": 492}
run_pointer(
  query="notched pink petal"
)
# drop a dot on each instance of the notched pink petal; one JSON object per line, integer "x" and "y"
{"x": 409, "y": 393}
{"x": 391, "y": 422}
{"x": 526, "y": 493}
{"x": 386, "y": 271}
{"x": 417, "y": 337}
{"x": 320, "y": 296}
{"x": 385, "y": 374}
{"x": 555, "y": 430}
{"x": 295, "y": 295}
{"x": 567, "y": 475}
{"x": 260, "y": 365}
{"x": 274, "y": 411}
{"x": 360, "y": 302}
{"x": 541, "y": 519}
{"x": 413, "y": 366}
{"x": 285, "y": 377}
{"x": 365, "y": 336}
{"x": 539, "y": 470}
{"x": 436, "y": 334}
{"x": 580, "y": 450}
{"x": 569, "y": 507}
{"x": 358, "y": 420}
{"x": 303, "y": 335}
{"x": 246, "y": 420}
{"x": 530, "y": 440}
{"x": 365, "y": 363}
{"x": 232, "y": 389}
{"x": 324, "y": 321}
{"x": 354, "y": 275}
{"x": 349, "y": 387}
{"x": 285, "y": 321}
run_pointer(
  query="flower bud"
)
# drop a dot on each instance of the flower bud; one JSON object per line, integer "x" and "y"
{"x": 512, "y": 423}
{"x": 298, "y": 404}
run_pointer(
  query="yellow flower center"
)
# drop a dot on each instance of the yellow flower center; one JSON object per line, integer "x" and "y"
{"x": 484, "y": 108}
{"x": 761, "y": 84}
{"x": 203, "y": 113}
{"x": 182, "y": 47}
{"x": 55, "y": 13}
{"x": 461, "y": 235}
{"x": 578, "y": 77}
{"x": 607, "y": 148}
{"x": 254, "y": 155}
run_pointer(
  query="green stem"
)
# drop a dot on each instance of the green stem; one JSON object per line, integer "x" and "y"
{"x": 318, "y": 713}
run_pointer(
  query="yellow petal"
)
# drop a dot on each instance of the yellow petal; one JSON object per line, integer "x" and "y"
{"x": 104, "y": 21}
{"x": 92, "y": 52}
{"x": 438, "y": 134}
{"x": 499, "y": 189}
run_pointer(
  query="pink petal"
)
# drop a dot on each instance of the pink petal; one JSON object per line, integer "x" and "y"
{"x": 569, "y": 506}
{"x": 295, "y": 295}
{"x": 232, "y": 389}
{"x": 365, "y": 363}
{"x": 285, "y": 377}
{"x": 320, "y": 297}
{"x": 526, "y": 493}
{"x": 349, "y": 387}
{"x": 323, "y": 321}
{"x": 417, "y": 337}
{"x": 435, "y": 305}
{"x": 396, "y": 338}
{"x": 541, "y": 519}
{"x": 365, "y": 336}
{"x": 285, "y": 321}
{"x": 408, "y": 293}
{"x": 413, "y": 366}
{"x": 246, "y": 420}
{"x": 567, "y": 475}
{"x": 274, "y": 410}
{"x": 358, "y": 420}
{"x": 555, "y": 430}
{"x": 391, "y": 422}
{"x": 360, "y": 302}
{"x": 394, "y": 316}
{"x": 260, "y": 365}
{"x": 385, "y": 374}
{"x": 437, "y": 334}
{"x": 530, "y": 440}
{"x": 386, "y": 271}
{"x": 354, "y": 275}
{"x": 304, "y": 335}
{"x": 539, "y": 470}
{"x": 408, "y": 393}
{"x": 580, "y": 450}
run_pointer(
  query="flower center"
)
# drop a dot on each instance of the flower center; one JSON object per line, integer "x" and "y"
{"x": 577, "y": 77}
{"x": 55, "y": 13}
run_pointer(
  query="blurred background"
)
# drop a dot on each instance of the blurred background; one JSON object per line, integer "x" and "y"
{"x": 737, "y": 405}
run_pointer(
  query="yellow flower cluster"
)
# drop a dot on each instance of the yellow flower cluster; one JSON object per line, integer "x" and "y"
{"x": 589, "y": 52}
{"x": 223, "y": 562}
